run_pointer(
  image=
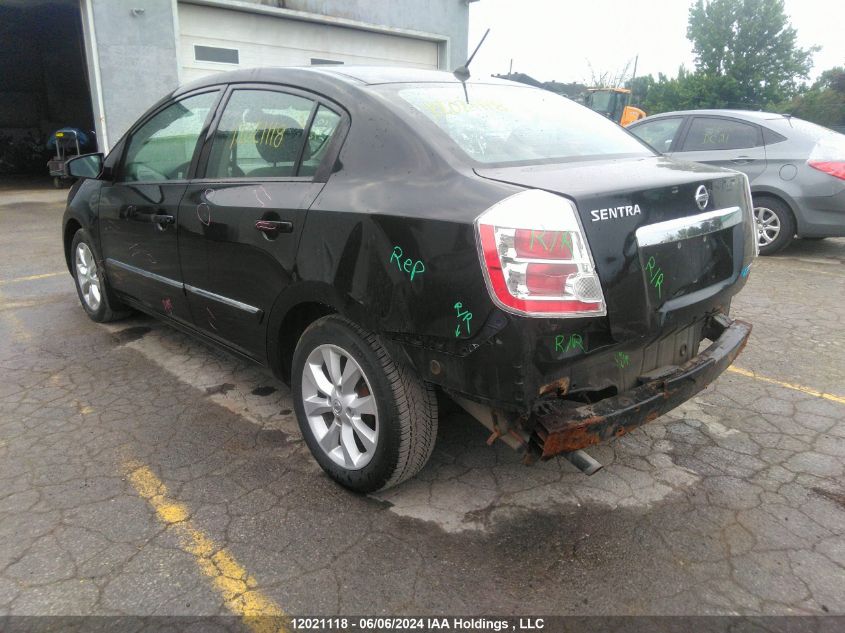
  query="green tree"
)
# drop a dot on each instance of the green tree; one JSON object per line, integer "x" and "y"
{"x": 833, "y": 79}
{"x": 823, "y": 103}
{"x": 752, "y": 42}
{"x": 687, "y": 91}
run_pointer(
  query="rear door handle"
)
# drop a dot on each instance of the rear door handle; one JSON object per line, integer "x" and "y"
{"x": 272, "y": 227}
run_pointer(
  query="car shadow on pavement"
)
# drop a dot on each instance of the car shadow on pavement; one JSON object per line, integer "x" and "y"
{"x": 467, "y": 485}
{"x": 821, "y": 249}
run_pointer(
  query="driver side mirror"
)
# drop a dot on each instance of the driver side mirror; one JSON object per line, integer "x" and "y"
{"x": 85, "y": 166}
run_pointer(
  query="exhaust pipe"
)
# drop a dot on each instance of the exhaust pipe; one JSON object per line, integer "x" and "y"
{"x": 583, "y": 462}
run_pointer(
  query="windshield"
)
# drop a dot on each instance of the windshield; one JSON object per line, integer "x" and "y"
{"x": 511, "y": 124}
{"x": 600, "y": 101}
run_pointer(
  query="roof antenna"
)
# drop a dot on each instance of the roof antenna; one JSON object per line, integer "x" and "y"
{"x": 462, "y": 72}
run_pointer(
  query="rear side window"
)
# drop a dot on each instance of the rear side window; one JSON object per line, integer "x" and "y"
{"x": 162, "y": 148}
{"x": 770, "y": 137}
{"x": 512, "y": 124}
{"x": 261, "y": 134}
{"x": 708, "y": 133}
{"x": 319, "y": 137}
{"x": 659, "y": 133}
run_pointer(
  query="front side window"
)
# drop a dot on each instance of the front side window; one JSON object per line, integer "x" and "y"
{"x": 510, "y": 124}
{"x": 707, "y": 133}
{"x": 659, "y": 133}
{"x": 261, "y": 134}
{"x": 163, "y": 147}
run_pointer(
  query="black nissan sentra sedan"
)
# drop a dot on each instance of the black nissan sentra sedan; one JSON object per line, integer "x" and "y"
{"x": 379, "y": 235}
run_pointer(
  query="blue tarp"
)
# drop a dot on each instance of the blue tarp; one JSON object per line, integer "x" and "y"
{"x": 86, "y": 140}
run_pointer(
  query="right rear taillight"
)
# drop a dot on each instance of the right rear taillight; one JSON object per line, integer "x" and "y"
{"x": 833, "y": 167}
{"x": 536, "y": 258}
{"x": 828, "y": 155}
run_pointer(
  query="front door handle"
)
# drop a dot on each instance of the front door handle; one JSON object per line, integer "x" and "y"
{"x": 742, "y": 160}
{"x": 273, "y": 227}
{"x": 162, "y": 220}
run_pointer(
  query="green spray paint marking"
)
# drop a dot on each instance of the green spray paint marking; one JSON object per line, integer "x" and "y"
{"x": 655, "y": 275}
{"x": 574, "y": 342}
{"x": 464, "y": 316}
{"x": 622, "y": 360}
{"x": 408, "y": 265}
{"x": 540, "y": 238}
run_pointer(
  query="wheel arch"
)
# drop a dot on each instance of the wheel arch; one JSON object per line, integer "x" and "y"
{"x": 81, "y": 213}
{"x": 294, "y": 310}
{"x": 780, "y": 196}
{"x": 72, "y": 225}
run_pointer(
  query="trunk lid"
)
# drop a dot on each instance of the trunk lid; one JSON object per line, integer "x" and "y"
{"x": 659, "y": 270}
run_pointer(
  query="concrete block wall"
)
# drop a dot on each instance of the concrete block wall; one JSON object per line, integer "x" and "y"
{"x": 445, "y": 17}
{"x": 136, "y": 43}
{"x": 137, "y": 57}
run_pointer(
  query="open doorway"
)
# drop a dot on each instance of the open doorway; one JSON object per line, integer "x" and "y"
{"x": 45, "y": 83}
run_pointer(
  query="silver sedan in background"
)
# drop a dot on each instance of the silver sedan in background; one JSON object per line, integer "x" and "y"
{"x": 796, "y": 168}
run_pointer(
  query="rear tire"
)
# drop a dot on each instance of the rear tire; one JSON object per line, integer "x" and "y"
{"x": 91, "y": 283}
{"x": 369, "y": 421}
{"x": 774, "y": 224}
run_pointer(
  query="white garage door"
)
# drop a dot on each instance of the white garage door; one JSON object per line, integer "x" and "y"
{"x": 215, "y": 40}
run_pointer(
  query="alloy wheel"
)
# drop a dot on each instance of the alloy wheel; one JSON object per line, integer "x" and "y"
{"x": 768, "y": 225}
{"x": 87, "y": 276}
{"x": 340, "y": 406}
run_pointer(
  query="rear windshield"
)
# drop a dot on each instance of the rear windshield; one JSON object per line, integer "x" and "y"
{"x": 511, "y": 124}
{"x": 812, "y": 130}
{"x": 829, "y": 144}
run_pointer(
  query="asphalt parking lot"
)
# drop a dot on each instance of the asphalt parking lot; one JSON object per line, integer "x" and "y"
{"x": 142, "y": 472}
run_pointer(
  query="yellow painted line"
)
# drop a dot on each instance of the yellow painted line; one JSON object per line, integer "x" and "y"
{"x": 84, "y": 409}
{"x": 235, "y": 585}
{"x": 21, "y": 333}
{"x": 17, "y": 305}
{"x": 817, "y": 272}
{"x": 787, "y": 385}
{"x": 832, "y": 266}
{"x": 14, "y": 280}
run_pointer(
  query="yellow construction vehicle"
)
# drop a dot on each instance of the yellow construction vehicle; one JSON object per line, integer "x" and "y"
{"x": 613, "y": 103}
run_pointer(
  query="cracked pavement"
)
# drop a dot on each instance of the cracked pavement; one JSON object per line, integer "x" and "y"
{"x": 733, "y": 503}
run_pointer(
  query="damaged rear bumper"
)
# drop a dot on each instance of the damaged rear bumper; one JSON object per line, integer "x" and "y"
{"x": 559, "y": 426}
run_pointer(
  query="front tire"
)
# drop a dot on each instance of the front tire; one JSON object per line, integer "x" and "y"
{"x": 774, "y": 224}
{"x": 369, "y": 421}
{"x": 91, "y": 284}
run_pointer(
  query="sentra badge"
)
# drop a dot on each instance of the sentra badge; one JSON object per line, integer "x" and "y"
{"x": 611, "y": 213}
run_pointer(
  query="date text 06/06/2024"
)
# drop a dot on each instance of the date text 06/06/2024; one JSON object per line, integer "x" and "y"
{"x": 400, "y": 624}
